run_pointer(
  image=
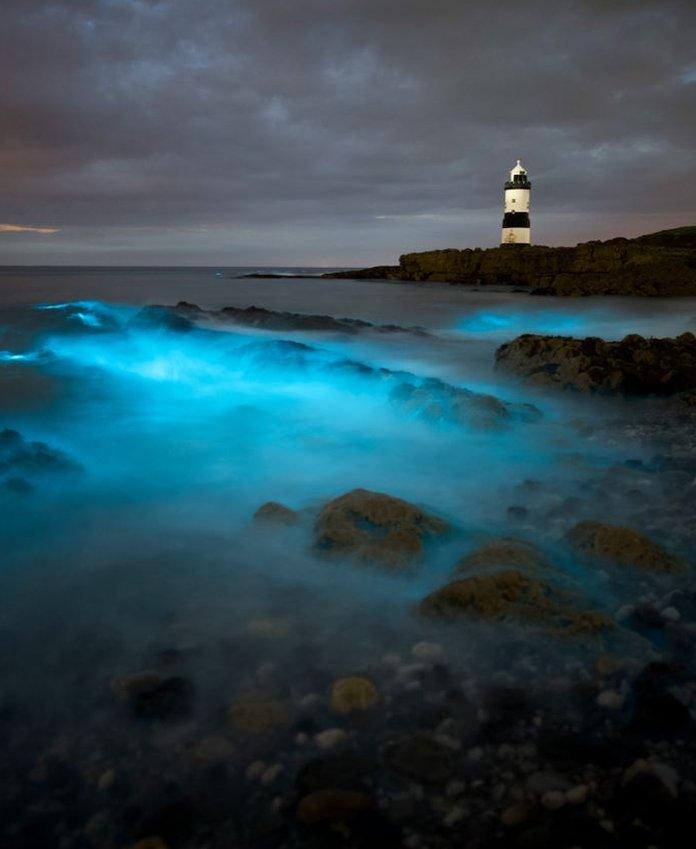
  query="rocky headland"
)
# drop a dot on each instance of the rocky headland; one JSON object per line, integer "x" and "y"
{"x": 657, "y": 264}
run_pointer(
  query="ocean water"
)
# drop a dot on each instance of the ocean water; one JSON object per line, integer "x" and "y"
{"x": 127, "y": 532}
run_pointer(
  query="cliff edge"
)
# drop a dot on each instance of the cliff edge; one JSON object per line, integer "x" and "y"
{"x": 656, "y": 264}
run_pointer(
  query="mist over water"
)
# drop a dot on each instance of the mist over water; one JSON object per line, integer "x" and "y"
{"x": 129, "y": 532}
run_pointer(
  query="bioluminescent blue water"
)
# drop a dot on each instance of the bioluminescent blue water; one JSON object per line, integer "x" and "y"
{"x": 141, "y": 444}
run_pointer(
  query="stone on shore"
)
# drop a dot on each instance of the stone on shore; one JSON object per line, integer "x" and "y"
{"x": 375, "y": 527}
{"x": 504, "y": 553}
{"x": 276, "y": 513}
{"x": 353, "y": 695}
{"x": 622, "y": 546}
{"x": 632, "y": 366}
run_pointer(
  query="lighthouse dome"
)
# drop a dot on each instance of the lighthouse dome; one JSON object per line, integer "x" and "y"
{"x": 518, "y": 169}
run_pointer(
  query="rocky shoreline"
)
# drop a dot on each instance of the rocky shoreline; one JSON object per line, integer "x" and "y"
{"x": 659, "y": 264}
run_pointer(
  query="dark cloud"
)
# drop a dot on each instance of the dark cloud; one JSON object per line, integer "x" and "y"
{"x": 336, "y": 130}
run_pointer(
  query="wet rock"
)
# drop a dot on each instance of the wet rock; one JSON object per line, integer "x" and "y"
{"x": 375, "y": 527}
{"x": 20, "y": 457}
{"x": 353, "y": 694}
{"x": 152, "y": 696}
{"x": 656, "y": 710}
{"x": 434, "y": 400}
{"x": 421, "y": 758}
{"x": 150, "y": 843}
{"x": 18, "y": 485}
{"x": 632, "y": 366}
{"x": 257, "y": 714}
{"x": 621, "y": 546}
{"x": 514, "y": 815}
{"x": 276, "y": 513}
{"x": 332, "y": 806}
{"x": 505, "y": 553}
{"x": 512, "y": 596}
{"x": 330, "y": 738}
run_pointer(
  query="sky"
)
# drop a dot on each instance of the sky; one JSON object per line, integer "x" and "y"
{"x": 336, "y": 132}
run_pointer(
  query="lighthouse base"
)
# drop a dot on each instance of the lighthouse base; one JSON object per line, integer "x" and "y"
{"x": 516, "y": 236}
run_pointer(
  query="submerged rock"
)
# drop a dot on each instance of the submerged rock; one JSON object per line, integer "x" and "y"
{"x": 511, "y": 595}
{"x": 21, "y": 456}
{"x": 375, "y": 527}
{"x": 422, "y": 758}
{"x": 276, "y": 513}
{"x": 435, "y": 400}
{"x": 633, "y": 366}
{"x": 622, "y": 546}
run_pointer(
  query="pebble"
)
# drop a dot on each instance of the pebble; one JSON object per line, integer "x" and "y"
{"x": 427, "y": 651}
{"x": 456, "y": 815}
{"x": 475, "y": 754}
{"x": 552, "y": 800}
{"x": 671, "y": 614}
{"x": 270, "y": 775}
{"x": 107, "y": 779}
{"x": 455, "y": 788}
{"x": 301, "y": 738}
{"x": 330, "y": 737}
{"x": 514, "y": 815}
{"x": 391, "y": 659}
{"x": 255, "y": 770}
{"x": 611, "y": 699}
{"x": 577, "y": 795}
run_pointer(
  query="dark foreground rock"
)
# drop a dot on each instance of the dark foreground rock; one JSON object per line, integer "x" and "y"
{"x": 633, "y": 366}
{"x": 657, "y": 264}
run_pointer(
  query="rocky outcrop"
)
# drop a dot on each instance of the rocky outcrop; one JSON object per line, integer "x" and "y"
{"x": 375, "y": 527}
{"x": 505, "y": 553}
{"x": 621, "y": 546}
{"x": 657, "y": 264}
{"x": 276, "y": 513}
{"x": 512, "y": 596}
{"x": 633, "y": 366}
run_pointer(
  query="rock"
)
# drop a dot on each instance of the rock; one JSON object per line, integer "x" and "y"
{"x": 375, "y": 527}
{"x": 276, "y": 513}
{"x": 332, "y": 806}
{"x": 425, "y": 651}
{"x": 621, "y": 546}
{"x": 258, "y": 714}
{"x": 632, "y": 366}
{"x": 154, "y": 697}
{"x": 212, "y": 750}
{"x": 107, "y": 780}
{"x": 330, "y": 738}
{"x": 552, "y": 800}
{"x": 514, "y": 815}
{"x": 255, "y": 770}
{"x": 577, "y": 795}
{"x": 270, "y": 774}
{"x": 512, "y": 596}
{"x": 505, "y": 553}
{"x": 353, "y": 694}
{"x": 671, "y": 614}
{"x": 611, "y": 699}
{"x": 20, "y": 457}
{"x": 270, "y": 627}
{"x": 422, "y": 758}
{"x": 344, "y": 770}
{"x": 616, "y": 267}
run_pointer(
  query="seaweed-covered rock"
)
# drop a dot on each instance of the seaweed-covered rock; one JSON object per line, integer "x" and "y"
{"x": 632, "y": 366}
{"x": 511, "y": 595}
{"x": 622, "y": 546}
{"x": 152, "y": 696}
{"x": 504, "y": 553}
{"x": 376, "y": 527}
{"x": 276, "y": 513}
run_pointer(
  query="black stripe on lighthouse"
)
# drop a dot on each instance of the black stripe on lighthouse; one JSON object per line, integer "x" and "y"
{"x": 516, "y": 219}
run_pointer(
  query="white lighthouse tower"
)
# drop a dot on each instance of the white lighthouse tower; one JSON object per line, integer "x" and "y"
{"x": 516, "y": 229}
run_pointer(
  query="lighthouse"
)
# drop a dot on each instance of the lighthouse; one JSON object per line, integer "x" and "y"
{"x": 516, "y": 230}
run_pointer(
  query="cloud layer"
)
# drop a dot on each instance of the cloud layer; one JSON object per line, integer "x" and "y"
{"x": 244, "y": 131}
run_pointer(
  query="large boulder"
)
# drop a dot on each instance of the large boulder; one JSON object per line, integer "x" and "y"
{"x": 375, "y": 527}
{"x": 632, "y": 366}
{"x": 621, "y": 546}
{"x": 513, "y": 596}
